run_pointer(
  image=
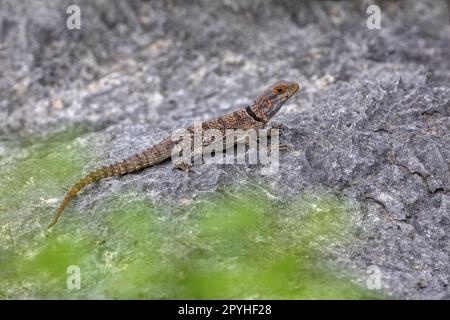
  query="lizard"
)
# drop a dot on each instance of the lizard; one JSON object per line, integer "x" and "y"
{"x": 254, "y": 116}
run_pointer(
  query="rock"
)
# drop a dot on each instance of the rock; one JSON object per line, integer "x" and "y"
{"x": 371, "y": 122}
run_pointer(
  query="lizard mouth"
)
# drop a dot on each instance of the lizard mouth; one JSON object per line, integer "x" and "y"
{"x": 293, "y": 88}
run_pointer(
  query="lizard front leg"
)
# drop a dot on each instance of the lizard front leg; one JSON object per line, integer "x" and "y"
{"x": 275, "y": 128}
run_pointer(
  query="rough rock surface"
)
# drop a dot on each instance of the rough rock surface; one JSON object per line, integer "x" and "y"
{"x": 371, "y": 122}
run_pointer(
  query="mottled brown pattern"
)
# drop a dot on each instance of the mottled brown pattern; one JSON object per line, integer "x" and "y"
{"x": 236, "y": 120}
{"x": 264, "y": 108}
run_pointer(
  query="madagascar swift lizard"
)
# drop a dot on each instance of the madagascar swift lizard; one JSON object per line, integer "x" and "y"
{"x": 254, "y": 116}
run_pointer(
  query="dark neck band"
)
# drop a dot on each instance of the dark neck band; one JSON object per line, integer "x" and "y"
{"x": 253, "y": 115}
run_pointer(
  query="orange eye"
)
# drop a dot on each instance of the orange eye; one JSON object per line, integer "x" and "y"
{"x": 279, "y": 90}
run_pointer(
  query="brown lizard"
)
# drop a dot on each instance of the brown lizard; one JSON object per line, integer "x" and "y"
{"x": 254, "y": 116}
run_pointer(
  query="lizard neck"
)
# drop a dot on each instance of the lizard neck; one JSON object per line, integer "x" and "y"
{"x": 255, "y": 111}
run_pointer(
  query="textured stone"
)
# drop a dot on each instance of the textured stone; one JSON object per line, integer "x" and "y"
{"x": 371, "y": 122}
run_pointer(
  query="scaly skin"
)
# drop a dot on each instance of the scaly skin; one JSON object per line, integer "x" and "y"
{"x": 254, "y": 116}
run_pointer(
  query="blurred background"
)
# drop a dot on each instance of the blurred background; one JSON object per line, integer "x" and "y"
{"x": 148, "y": 61}
{"x": 368, "y": 131}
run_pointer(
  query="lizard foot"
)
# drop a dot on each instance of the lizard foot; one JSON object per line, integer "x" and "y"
{"x": 279, "y": 147}
{"x": 183, "y": 167}
{"x": 278, "y": 126}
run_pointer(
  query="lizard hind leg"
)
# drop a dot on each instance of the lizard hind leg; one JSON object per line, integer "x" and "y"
{"x": 183, "y": 167}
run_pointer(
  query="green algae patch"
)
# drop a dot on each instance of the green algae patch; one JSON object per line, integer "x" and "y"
{"x": 42, "y": 271}
{"x": 41, "y": 168}
{"x": 230, "y": 244}
{"x": 227, "y": 245}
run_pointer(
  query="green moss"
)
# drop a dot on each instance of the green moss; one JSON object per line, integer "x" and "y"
{"x": 231, "y": 244}
{"x": 41, "y": 168}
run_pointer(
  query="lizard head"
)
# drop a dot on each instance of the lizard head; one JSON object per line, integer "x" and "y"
{"x": 275, "y": 96}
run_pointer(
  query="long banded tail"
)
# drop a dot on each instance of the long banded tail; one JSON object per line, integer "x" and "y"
{"x": 83, "y": 182}
{"x": 150, "y": 157}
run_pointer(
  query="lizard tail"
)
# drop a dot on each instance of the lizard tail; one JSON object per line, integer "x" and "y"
{"x": 83, "y": 182}
{"x": 116, "y": 169}
{"x": 147, "y": 158}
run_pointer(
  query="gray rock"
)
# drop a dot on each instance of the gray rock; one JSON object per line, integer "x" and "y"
{"x": 371, "y": 122}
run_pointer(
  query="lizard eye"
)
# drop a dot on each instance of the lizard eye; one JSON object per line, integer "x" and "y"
{"x": 279, "y": 90}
